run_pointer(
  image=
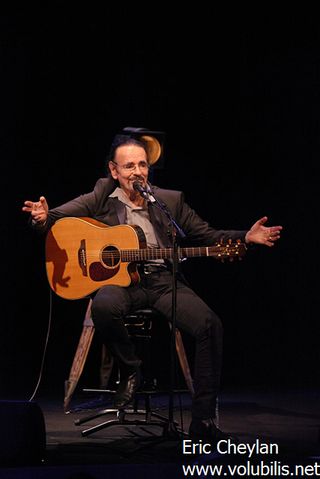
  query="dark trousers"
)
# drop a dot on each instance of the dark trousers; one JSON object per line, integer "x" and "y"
{"x": 112, "y": 303}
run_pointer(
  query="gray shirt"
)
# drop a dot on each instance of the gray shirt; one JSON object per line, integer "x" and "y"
{"x": 137, "y": 215}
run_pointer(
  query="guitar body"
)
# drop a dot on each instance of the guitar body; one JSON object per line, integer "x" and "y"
{"x": 82, "y": 255}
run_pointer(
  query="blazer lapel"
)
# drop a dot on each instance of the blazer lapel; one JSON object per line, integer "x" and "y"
{"x": 120, "y": 211}
{"x": 114, "y": 213}
{"x": 161, "y": 226}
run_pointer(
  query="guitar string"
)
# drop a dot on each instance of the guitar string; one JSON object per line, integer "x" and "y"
{"x": 156, "y": 255}
{"x": 133, "y": 257}
{"x": 169, "y": 251}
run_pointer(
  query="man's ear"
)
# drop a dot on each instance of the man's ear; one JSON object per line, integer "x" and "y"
{"x": 113, "y": 170}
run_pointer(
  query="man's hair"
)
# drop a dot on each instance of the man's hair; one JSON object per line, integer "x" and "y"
{"x": 120, "y": 140}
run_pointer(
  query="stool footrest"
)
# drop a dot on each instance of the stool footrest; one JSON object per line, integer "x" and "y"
{"x": 121, "y": 420}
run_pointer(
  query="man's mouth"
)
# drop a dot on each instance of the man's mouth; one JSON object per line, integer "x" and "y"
{"x": 137, "y": 178}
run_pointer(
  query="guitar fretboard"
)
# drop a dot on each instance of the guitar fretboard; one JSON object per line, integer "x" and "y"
{"x": 148, "y": 254}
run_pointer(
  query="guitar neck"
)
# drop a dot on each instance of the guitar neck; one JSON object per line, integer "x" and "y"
{"x": 148, "y": 254}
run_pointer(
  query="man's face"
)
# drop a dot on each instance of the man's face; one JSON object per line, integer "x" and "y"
{"x": 129, "y": 164}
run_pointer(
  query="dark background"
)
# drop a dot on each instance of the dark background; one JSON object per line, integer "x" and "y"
{"x": 238, "y": 96}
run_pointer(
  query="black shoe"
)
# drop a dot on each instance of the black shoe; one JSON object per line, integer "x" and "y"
{"x": 127, "y": 389}
{"x": 206, "y": 430}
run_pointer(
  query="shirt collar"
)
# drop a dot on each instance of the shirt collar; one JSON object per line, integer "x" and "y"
{"x": 120, "y": 194}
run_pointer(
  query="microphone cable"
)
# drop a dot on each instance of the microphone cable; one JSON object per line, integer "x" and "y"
{"x": 45, "y": 348}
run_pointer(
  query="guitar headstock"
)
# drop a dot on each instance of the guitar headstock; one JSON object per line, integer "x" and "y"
{"x": 230, "y": 250}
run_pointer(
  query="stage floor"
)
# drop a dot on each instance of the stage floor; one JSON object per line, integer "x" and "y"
{"x": 289, "y": 419}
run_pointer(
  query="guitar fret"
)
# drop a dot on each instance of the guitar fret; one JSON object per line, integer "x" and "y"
{"x": 195, "y": 251}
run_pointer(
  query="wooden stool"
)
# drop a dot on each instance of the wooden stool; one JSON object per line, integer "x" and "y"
{"x": 84, "y": 347}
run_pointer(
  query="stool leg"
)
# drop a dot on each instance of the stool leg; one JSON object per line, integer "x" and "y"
{"x": 79, "y": 358}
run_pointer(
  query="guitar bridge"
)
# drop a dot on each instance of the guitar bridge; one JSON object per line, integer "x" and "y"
{"x": 82, "y": 257}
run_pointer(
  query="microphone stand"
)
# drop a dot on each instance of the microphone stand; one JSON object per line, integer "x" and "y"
{"x": 176, "y": 231}
{"x": 171, "y": 428}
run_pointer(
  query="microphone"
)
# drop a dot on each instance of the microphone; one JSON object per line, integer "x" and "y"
{"x": 137, "y": 185}
{"x": 144, "y": 192}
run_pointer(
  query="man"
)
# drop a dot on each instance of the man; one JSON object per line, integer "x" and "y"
{"x": 116, "y": 200}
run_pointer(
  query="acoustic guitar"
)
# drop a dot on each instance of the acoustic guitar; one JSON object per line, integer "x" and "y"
{"x": 83, "y": 254}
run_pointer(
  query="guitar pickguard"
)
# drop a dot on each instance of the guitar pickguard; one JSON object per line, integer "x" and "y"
{"x": 97, "y": 272}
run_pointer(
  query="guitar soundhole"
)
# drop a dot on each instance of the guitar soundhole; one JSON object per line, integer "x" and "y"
{"x": 111, "y": 256}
